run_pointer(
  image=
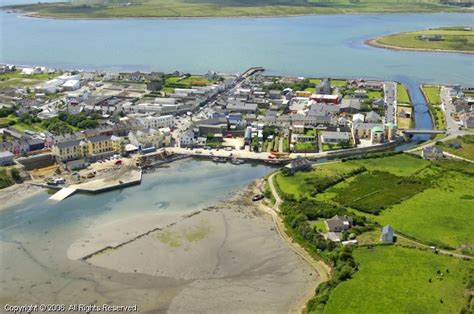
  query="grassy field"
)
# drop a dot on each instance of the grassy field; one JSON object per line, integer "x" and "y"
{"x": 297, "y": 184}
{"x": 441, "y": 214}
{"x": 453, "y": 39}
{"x": 399, "y": 165}
{"x": 206, "y": 8}
{"x": 402, "y": 94}
{"x": 466, "y": 150}
{"x": 374, "y": 191}
{"x": 431, "y": 201}
{"x": 396, "y": 278}
{"x": 431, "y": 93}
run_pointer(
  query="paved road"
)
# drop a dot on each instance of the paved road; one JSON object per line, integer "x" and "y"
{"x": 390, "y": 99}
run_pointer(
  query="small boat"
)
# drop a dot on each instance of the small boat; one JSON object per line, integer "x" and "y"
{"x": 257, "y": 197}
{"x": 236, "y": 161}
{"x": 219, "y": 159}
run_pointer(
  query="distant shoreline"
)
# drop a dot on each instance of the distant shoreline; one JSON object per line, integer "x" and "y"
{"x": 35, "y": 14}
{"x": 374, "y": 43}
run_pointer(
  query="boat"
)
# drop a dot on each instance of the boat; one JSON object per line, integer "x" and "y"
{"x": 219, "y": 159}
{"x": 236, "y": 161}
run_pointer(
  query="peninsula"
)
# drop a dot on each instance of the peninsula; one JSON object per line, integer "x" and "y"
{"x": 226, "y": 8}
{"x": 448, "y": 39}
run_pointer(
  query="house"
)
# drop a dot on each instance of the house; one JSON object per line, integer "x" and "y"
{"x": 358, "y": 117}
{"x": 242, "y": 107}
{"x": 299, "y": 164}
{"x": 372, "y": 117}
{"x": 77, "y": 164}
{"x": 69, "y": 150}
{"x": 187, "y": 139}
{"x": 387, "y": 234}
{"x": 430, "y": 37}
{"x": 6, "y": 158}
{"x": 339, "y": 223}
{"x": 432, "y": 152}
{"x": 350, "y": 105}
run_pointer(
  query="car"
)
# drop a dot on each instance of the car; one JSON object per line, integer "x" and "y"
{"x": 257, "y": 197}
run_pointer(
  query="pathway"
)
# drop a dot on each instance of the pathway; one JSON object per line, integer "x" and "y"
{"x": 323, "y": 270}
{"x": 445, "y": 252}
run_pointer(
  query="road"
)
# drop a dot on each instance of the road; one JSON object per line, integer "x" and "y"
{"x": 390, "y": 100}
{"x": 444, "y": 252}
{"x": 447, "y": 105}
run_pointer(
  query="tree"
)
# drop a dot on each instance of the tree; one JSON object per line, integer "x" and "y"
{"x": 15, "y": 174}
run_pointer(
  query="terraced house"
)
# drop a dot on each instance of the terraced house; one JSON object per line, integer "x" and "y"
{"x": 92, "y": 148}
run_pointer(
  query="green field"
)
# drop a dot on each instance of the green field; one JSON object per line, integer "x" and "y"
{"x": 205, "y": 8}
{"x": 466, "y": 150}
{"x": 441, "y": 215}
{"x": 430, "y": 201}
{"x": 402, "y": 95}
{"x": 399, "y": 165}
{"x": 453, "y": 39}
{"x": 393, "y": 279}
{"x": 374, "y": 191}
{"x": 300, "y": 183}
{"x": 431, "y": 93}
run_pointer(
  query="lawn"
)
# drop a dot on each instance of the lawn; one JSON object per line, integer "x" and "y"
{"x": 431, "y": 94}
{"x": 374, "y": 94}
{"x": 453, "y": 39}
{"x": 205, "y": 8}
{"x": 402, "y": 95}
{"x": 301, "y": 147}
{"x": 186, "y": 82}
{"x": 466, "y": 150}
{"x": 441, "y": 214}
{"x": 397, "y": 280}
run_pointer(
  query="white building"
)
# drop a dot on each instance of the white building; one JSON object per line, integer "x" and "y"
{"x": 70, "y": 85}
{"x": 157, "y": 122}
{"x": 330, "y": 137}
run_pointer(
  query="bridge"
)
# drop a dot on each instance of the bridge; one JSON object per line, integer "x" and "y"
{"x": 251, "y": 71}
{"x": 423, "y": 131}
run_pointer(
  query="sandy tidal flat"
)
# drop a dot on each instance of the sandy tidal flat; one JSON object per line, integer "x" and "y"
{"x": 228, "y": 258}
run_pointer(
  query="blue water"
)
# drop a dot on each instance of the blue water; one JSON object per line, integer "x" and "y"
{"x": 329, "y": 45}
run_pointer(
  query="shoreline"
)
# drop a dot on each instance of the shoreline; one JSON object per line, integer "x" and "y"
{"x": 35, "y": 14}
{"x": 373, "y": 43}
{"x": 16, "y": 194}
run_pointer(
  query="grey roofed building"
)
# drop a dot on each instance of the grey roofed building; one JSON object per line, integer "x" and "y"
{"x": 6, "y": 158}
{"x": 99, "y": 138}
{"x": 329, "y": 137}
{"x": 70, "y": 143}
{"x": 372, "y": 117}
{"x": 387, "y": 234}
{"x": 350, "y": 105}
{"x": 339, "y": 223}
{"x": 242, "y": 107}
{"x": 300, "y": 164}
